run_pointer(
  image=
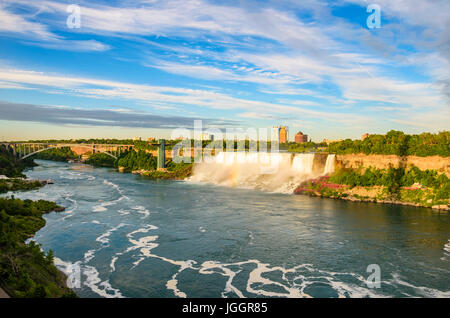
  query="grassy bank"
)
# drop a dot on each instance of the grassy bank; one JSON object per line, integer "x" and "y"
{"x": 412, "y": 186}
{"x": 26, "y": 271}
{"x": 19, "y": 185}
{"x": 174, "y": 171}
{"x": 143, "y": 163}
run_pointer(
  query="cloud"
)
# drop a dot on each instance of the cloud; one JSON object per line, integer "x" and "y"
{"x": 97, "y": 117}
{"x": 278, "y": 47}
{"x": 39, "y": 34}
{"x": 162, "y": 95}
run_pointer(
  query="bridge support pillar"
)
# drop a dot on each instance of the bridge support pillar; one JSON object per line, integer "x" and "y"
{"x": 161, "y": 154}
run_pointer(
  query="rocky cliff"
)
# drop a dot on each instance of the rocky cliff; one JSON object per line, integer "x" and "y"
{"x": 441, "y": 164}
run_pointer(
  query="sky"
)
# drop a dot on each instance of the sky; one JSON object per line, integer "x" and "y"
{"x": 144, "y": 68}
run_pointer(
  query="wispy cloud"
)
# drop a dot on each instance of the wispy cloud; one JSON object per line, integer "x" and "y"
{"x": 36, "y": 33}
{"x": 97, "y": 117}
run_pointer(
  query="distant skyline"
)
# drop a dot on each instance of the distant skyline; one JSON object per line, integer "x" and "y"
{"x": 142, "y": 68}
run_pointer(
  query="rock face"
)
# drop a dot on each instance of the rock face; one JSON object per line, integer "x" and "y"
{"x": 354, "y": 161}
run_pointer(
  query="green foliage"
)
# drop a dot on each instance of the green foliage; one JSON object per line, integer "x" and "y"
{"x": 11, "y": 166}
{"x": 177, "y": 171}
{"x": 395, "y": 179}
{"x": 304, "y": 147}
{"x": 101, "y": 160}
{"x": 397, "y": 143}
{"x": 386, "y": 177}
{"x": 26, "y": 271}
{"x": 18, "y": 185}
{"x": 56, "y": 154}
{"x": 133, "y": 160}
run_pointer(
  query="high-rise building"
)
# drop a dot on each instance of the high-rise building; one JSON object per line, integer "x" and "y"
{"x": 283, "y": 134}
{"x": 364, "y": 136}
{"x": 300, "y": 138}
{"x": 275, "y": 134}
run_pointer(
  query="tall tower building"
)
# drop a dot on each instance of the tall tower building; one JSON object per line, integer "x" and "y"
{"x": 283, "y": 134}
{"x": 275, "y": 134}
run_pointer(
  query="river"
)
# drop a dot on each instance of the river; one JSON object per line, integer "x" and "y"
{"x": 126, "y": 236}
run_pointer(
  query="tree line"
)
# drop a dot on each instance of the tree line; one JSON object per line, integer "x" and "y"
{"x": 396, "y": 143}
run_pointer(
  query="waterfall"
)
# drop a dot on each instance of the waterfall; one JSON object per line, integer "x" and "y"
{"x": 329, "y": 165}
{"x": 274, "y": 172}
{"x": 303, "y": 163}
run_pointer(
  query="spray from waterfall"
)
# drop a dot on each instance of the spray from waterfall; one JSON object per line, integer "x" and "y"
{"x": 274, "y": 172}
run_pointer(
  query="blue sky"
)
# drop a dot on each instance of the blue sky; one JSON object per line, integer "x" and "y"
{"x": 143, "y": 68}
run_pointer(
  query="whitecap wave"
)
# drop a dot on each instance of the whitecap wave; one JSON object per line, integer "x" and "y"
{"x": 104, "y": 238}
{"x": 142, "y": 210}
{"x": 102, "y": 288}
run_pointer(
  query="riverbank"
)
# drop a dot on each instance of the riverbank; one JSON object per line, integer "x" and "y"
{"x": 416, "y": 195}
{"x": 172, "y": 172}
{"x": 25, "y": 270}
{"x": 18, "y": 184}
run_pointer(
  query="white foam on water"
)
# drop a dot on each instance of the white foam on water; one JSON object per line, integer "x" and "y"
{"x": 102, "y": 288}
{"x": 123, "y": 212}
{"x": 104, "y": 238}
{"x": 72, "y": 175}
{"x": 89, "y": 255}
{"x": 93, "y": 281}
{"x": 142, "y": 210}
{"x": 70, "y": 270}
{"x": 447, "y": 247}
{"x": 145, "y": 245}
{"x": 103, "y": 205}
{"x": 98, "y": 208}
{"x": 74, "y": 204}
{"x": 424, "y": 291}
{"x": 112, "y": 265}
{"x": 115, "y": 186}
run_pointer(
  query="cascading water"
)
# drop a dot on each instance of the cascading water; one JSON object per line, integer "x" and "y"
{"x": 329, "y": 165}
{"x": 303, "y": 163}
{"x": 274, "y": 172}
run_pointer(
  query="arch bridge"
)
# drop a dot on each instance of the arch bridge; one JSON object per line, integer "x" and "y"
{"x": 25, "y": 150}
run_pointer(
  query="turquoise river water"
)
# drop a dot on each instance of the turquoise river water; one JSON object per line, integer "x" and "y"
{"x": 124, "y": 236}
